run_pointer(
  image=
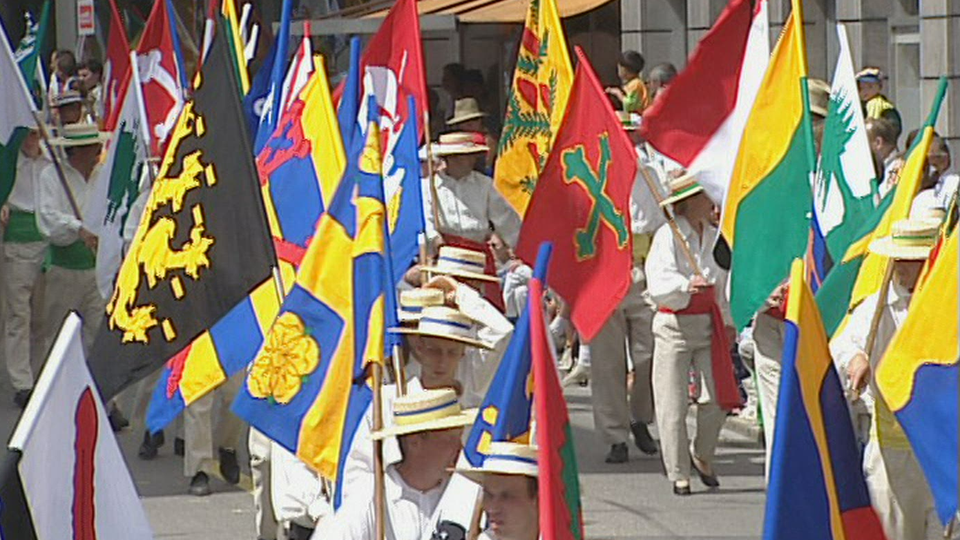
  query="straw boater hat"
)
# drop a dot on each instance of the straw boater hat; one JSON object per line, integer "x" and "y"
{"x": 462, "y": 263}
{"x": 427, "y": 410}
{"x": 505, "y": 458}
{"x": 80, "y": 134}
{"x": 629, "y": 121}
{"x": 465, "y": 109}
{"x": 870, "y": 74}
{"x": 461, "y": 142}
{"x": 682, "y": 188}
{"x": 444, "y": 323}
{"x": 414, "y": 301}
{"x": 909, "y": 240}
{"x": 68, "y": 97}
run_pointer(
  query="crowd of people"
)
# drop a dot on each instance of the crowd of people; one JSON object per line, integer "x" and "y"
{"x": 660, "y": 353}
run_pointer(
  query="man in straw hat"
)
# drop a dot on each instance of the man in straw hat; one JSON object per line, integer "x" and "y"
{"x": 468, "y": 117}
{"x": 692, "y": 330}
{"x": 510, "y": 491}
{"x": 428, "y": 426}
{"x": 468, "y": 202}
{"x": 24, "y": 249}
{"x": 71, "y": 279}
{"x": 898, "y": 491}
{"x": 617, "y": 415}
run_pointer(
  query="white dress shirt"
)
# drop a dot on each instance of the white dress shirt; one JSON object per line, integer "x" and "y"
{"x": 669, "y": 272}
{"x": 55, "y": 217}
{"x": 646, "y": 216}
{"x": 26, "y": 185}
{"x": 409, "y": 513}
{"x": 468, "y": 208}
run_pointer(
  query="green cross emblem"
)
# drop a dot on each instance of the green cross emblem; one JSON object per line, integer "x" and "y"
{"x": 576, "y": 169}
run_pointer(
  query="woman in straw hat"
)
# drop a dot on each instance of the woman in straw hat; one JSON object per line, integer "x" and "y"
{"x": 691, "y": 329}
{"x": 510, "y": 491}
{"x": 898, "y": 491}
{"x": 428, "y": 426}
{"x": 71, "y": 279}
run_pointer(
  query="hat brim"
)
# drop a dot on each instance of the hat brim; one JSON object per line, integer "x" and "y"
{"x": 673, "y": 199}
{"x": 887, "y": 248}
{"x": 417, "y": 332}
{"x": 465, "y": 418}
{"x": 461, "y": 274}
{"x": 459, "y": 150}
{"x": 477, "y": 474}
{"x": 465, "y": 118}
{"x": 101, "y": 138}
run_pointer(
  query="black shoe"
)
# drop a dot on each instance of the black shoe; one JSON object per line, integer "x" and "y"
{"x": 618, "y": 453}
{"x": 681, "y": 489}
{"x": 22, "y": 397}
{"x": 200, "y": 485}
{"x": 709, "y": 480}
{"x": 117, "y": 421}
{"x": 178, "y": 447}
{"x": 229, "y": 468}
{"x": 642, "y": 438}
{"x": 151, "y": 445}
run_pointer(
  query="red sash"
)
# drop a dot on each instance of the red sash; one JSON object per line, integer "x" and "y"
{"x": 725, "y": 383}
{"x": 491, "y": 289}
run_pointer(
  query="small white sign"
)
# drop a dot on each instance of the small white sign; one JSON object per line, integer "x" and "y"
{"x": 86, "y": 18}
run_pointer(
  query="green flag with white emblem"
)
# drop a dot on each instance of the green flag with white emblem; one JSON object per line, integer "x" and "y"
{"x": 843, "y": 191}
{"x": 16, "y": 116}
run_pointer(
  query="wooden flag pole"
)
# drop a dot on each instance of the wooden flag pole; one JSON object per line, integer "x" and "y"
{"x": 42, "y": 128}
{"x": 673, "y": 223}
{"x": 435, "y": 201}
{"x": 379, "y": 487}
{"x": 474, "y": 532}
{"x": 878, "y": 310}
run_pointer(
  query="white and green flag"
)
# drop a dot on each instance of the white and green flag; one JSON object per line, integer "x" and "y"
{"x": 30, "y": 49}
{"x": 121, "y": 186}
{"x": 16, "y": 115}
{"x": 843, "y": 191}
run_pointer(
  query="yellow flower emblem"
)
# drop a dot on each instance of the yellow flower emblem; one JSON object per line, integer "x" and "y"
{"x": 287, "y": 358}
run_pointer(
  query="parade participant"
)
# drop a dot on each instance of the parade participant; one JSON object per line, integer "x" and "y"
{"x": 468, "y": 201}
{"x": 71, "y": 282}
{"x": 474, "y": 266}
{"x": 938, "y": 186}
{"x": 200, "y": 437}
{"x": 661, "y": 75}
{"x": 63, "y": 66}
{"x": 875, "y": 104}
{"x": 467, "y": 117}
{"x": 68, "y": 107}
{"x": 91, "y": 77}
{"x": 898, "y": 491}
{"x": 24, "y": 249}
{"x": 633, "y": 95}
{"x": 887, "y": 159}
{"x": 510, "y": 499}
{"x": 768, "y": 334}
{"x": 691, "y": 331}
{"x": 614, "y": 414}
{"x": 428, "y": 425}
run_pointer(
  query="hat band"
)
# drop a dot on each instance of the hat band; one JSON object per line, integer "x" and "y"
{"x": 505, "y": 457}
{"x": 914, "y": 240}
{"x": 683, "y": 191}
{"x": 436, "y": 412}
{"x": 445, "y": 322}
{"x": 412, "y": 309}
{"x": 80, "y": 137}
{"x": 460, "y": 264}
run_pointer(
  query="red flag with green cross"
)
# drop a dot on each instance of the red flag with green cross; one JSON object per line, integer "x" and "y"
{"x": 581, "y": 205}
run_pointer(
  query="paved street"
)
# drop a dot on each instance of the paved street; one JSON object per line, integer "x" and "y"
{"x": 620, "y": 501}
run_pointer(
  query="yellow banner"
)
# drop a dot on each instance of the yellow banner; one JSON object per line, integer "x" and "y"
{"x": 541, "y": 86}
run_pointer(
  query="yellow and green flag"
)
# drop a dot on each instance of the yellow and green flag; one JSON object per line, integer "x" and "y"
{"x": 766, "y": 218}
{"x": 541, "y": 86}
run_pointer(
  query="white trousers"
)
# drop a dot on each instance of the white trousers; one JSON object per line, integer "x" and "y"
{"x": 629, "y": 327}
{"x": 73, "y": 290}
{"x": 201, "y": 440}
{"x": 900, "y": 494}
{"x": 258, "y": 446}
{"x": 682, "y": 343}
{"x": 768, "y": 334}
{"x": 23, "y": 338}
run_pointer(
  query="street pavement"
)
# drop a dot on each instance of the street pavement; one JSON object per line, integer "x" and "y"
{"x": 632, "y": 500}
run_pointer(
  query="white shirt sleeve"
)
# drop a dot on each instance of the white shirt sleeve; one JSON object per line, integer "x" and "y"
{"x": 354, "y": 521}
{"x": 55, "y": 218}
{"x": 853, "y": 339}
{"x": 668, "y": 287}
{"x": 494, "y": 327}
{"x": 505, "y": 219}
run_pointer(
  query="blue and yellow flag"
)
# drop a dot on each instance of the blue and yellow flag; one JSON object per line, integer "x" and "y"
{"x": 918, "y": 378}
{"x": 299, "y": 170}
{"x": 817, "y": 489}
{"x": 307, "y": 387}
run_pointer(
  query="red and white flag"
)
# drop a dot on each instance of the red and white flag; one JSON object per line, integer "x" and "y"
{"x": 115, "y": 67}
{"x": 73, "y": 474}
{"x": 702, "y": 130}
{"x": 163, "y": 93}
